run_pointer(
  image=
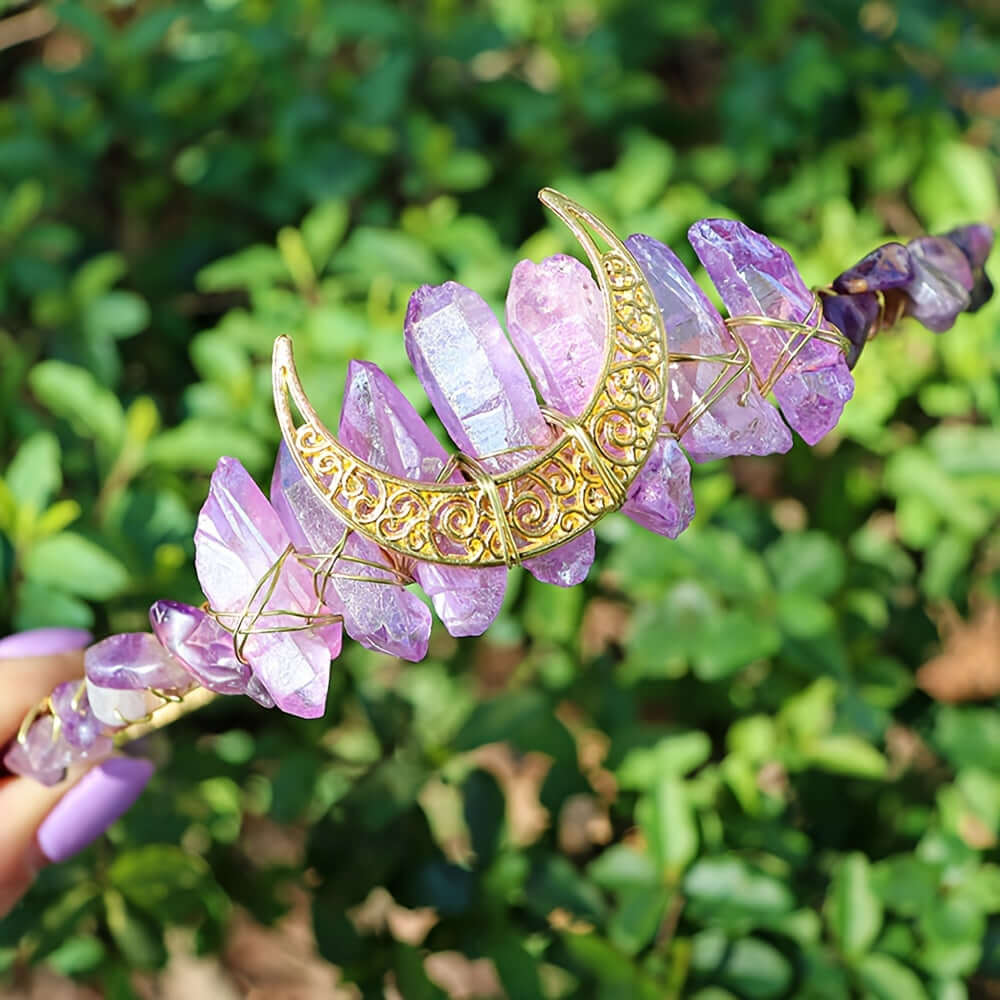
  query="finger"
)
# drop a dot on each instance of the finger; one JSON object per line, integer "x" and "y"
{"x": 31, "y": 664}
{"x": 53, "y": 824}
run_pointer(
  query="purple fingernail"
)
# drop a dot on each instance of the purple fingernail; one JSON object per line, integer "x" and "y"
{"x": 44, "y": 642}
{"x": 92, "y": 805}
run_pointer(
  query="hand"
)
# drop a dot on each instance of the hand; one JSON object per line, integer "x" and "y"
{"x": 51, "y": 824}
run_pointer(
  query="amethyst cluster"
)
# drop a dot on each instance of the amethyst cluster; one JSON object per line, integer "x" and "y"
{"x": 284, "y": 578}
{"x": 932, "y": 279}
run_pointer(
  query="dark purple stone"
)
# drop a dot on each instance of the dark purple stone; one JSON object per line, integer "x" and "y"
{"x": 975, "y": 242}
{"x": 855, "y": 316}
{"x": 888, "y": 266}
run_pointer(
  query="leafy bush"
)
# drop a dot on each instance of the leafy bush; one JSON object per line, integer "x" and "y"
{"x": 715, "y": 775}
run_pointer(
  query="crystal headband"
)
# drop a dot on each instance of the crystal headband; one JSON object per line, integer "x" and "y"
{"x": 638, "y": 371}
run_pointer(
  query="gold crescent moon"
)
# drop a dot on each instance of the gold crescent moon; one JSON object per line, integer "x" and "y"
{"x": 502, "y": 520}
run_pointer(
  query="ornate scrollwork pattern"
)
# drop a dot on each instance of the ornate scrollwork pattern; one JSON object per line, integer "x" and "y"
{"x": 494, "y": 520}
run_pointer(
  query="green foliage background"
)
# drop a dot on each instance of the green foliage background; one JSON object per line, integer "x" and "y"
{"x": 788, "y": 815}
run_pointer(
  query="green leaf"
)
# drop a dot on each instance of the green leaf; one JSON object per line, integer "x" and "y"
{"x": 97, "y": 276}
{"x": 677, "y": 754}
{"x": 727, "y": 891}
{"x": 76, "y": 956}
{"x": 621, "y": 867}
{"x": 40, "y": 606}
{"x": 751, "y": 966}
{"x": 809, "y": 563}
{"x": 847, "y": 755}
{"x": 885, "y": 978}
{"x": 163, "y": 880}
{"x": 197, "y": 444}
{"x": 21, "y": 207}
{"x": 637, "y": 918}
{"x": 34, "y": 475}
{"x": 323, "y": 229}
{"x": 853, "y": 908}
{"x": 115, "y": 314}
{"x": 75, "y": 564}
{"x": 667, "y": 818}
{"x": 255, "y": 267}
{"x": 74, "y": 394}
{"x": 139, "y": 938}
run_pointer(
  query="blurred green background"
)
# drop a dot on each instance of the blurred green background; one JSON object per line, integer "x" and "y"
{"x": 717, "y": 775}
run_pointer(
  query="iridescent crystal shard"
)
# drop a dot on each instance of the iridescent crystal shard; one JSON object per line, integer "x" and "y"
{"x": 380, "y": 426}
{"x": 362, "y": 587}
{"x": 557, "y": 323}
{"x": 755, "y": 277}
{"x": 242, "y": 559}
{"x": 206, "y": 649}
{"x": 484, "y": 398}
{"x": 737, "y": 421}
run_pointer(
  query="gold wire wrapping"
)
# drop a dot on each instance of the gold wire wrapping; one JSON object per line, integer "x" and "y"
{"x": 497, "y": 520}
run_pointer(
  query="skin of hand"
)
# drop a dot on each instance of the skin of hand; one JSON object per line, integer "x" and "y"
{"x": 45, "y": 824}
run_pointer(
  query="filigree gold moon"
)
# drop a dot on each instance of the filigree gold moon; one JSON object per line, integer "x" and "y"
{"x": 504, "y": 519}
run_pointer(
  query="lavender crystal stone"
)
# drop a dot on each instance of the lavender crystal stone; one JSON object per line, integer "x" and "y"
{"x": 381, "y": 616}
{"x": 941, "y": 283}
{"x": 238, "y": 541}
{"x": 206, "y": 650}
{"x": 80, "y": 728}
{"x": 44, "y": 755}
{"x": 380, "y": 426}
{"x": 888, "y": 266}
{"x": 755, "y": 277}
{"x": 660, "y": 499}
{"x": 557, "y": 323}
{"x": 484, "y": 397}
{"x": 739, "y": 422}
{"x": 132, "y": 661}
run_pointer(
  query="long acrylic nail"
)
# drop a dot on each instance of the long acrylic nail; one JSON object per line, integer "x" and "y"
{"x": 44, "y": 642}
{"x": 92, "y": 805}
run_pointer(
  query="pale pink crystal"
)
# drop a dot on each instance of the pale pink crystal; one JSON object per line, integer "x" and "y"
{"x": 238, "y": 541}
{"x": 380, "y": 426}
{"x": 660, "y": 498}
{"x": 385, "y": 617}
{"x": 557, "y": 323}
{"x": 755, "y": 277}
{"x": 484, "y": 398}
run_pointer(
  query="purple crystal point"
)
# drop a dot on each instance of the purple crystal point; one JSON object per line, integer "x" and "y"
{"x": 205, "y": 649}
{"x": 80, "y": 728}
{"x": 660, "y": 498}
{"x": 740, "y": 422}
{"x": 132, "y": 661}
{"x": 380, "y": 426}
{"x": 941, "y": 283}
{"x": 381, "y": 616}
{"x": 975, "y": 242}
{"x": 888, "y": 266}
{"x": 239, "y": 541}
{"x": 755, "y": 277}
{"x": 557, "y": 322}
{"x": 44, "y": 755}
{"x": 484, "y": 397}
